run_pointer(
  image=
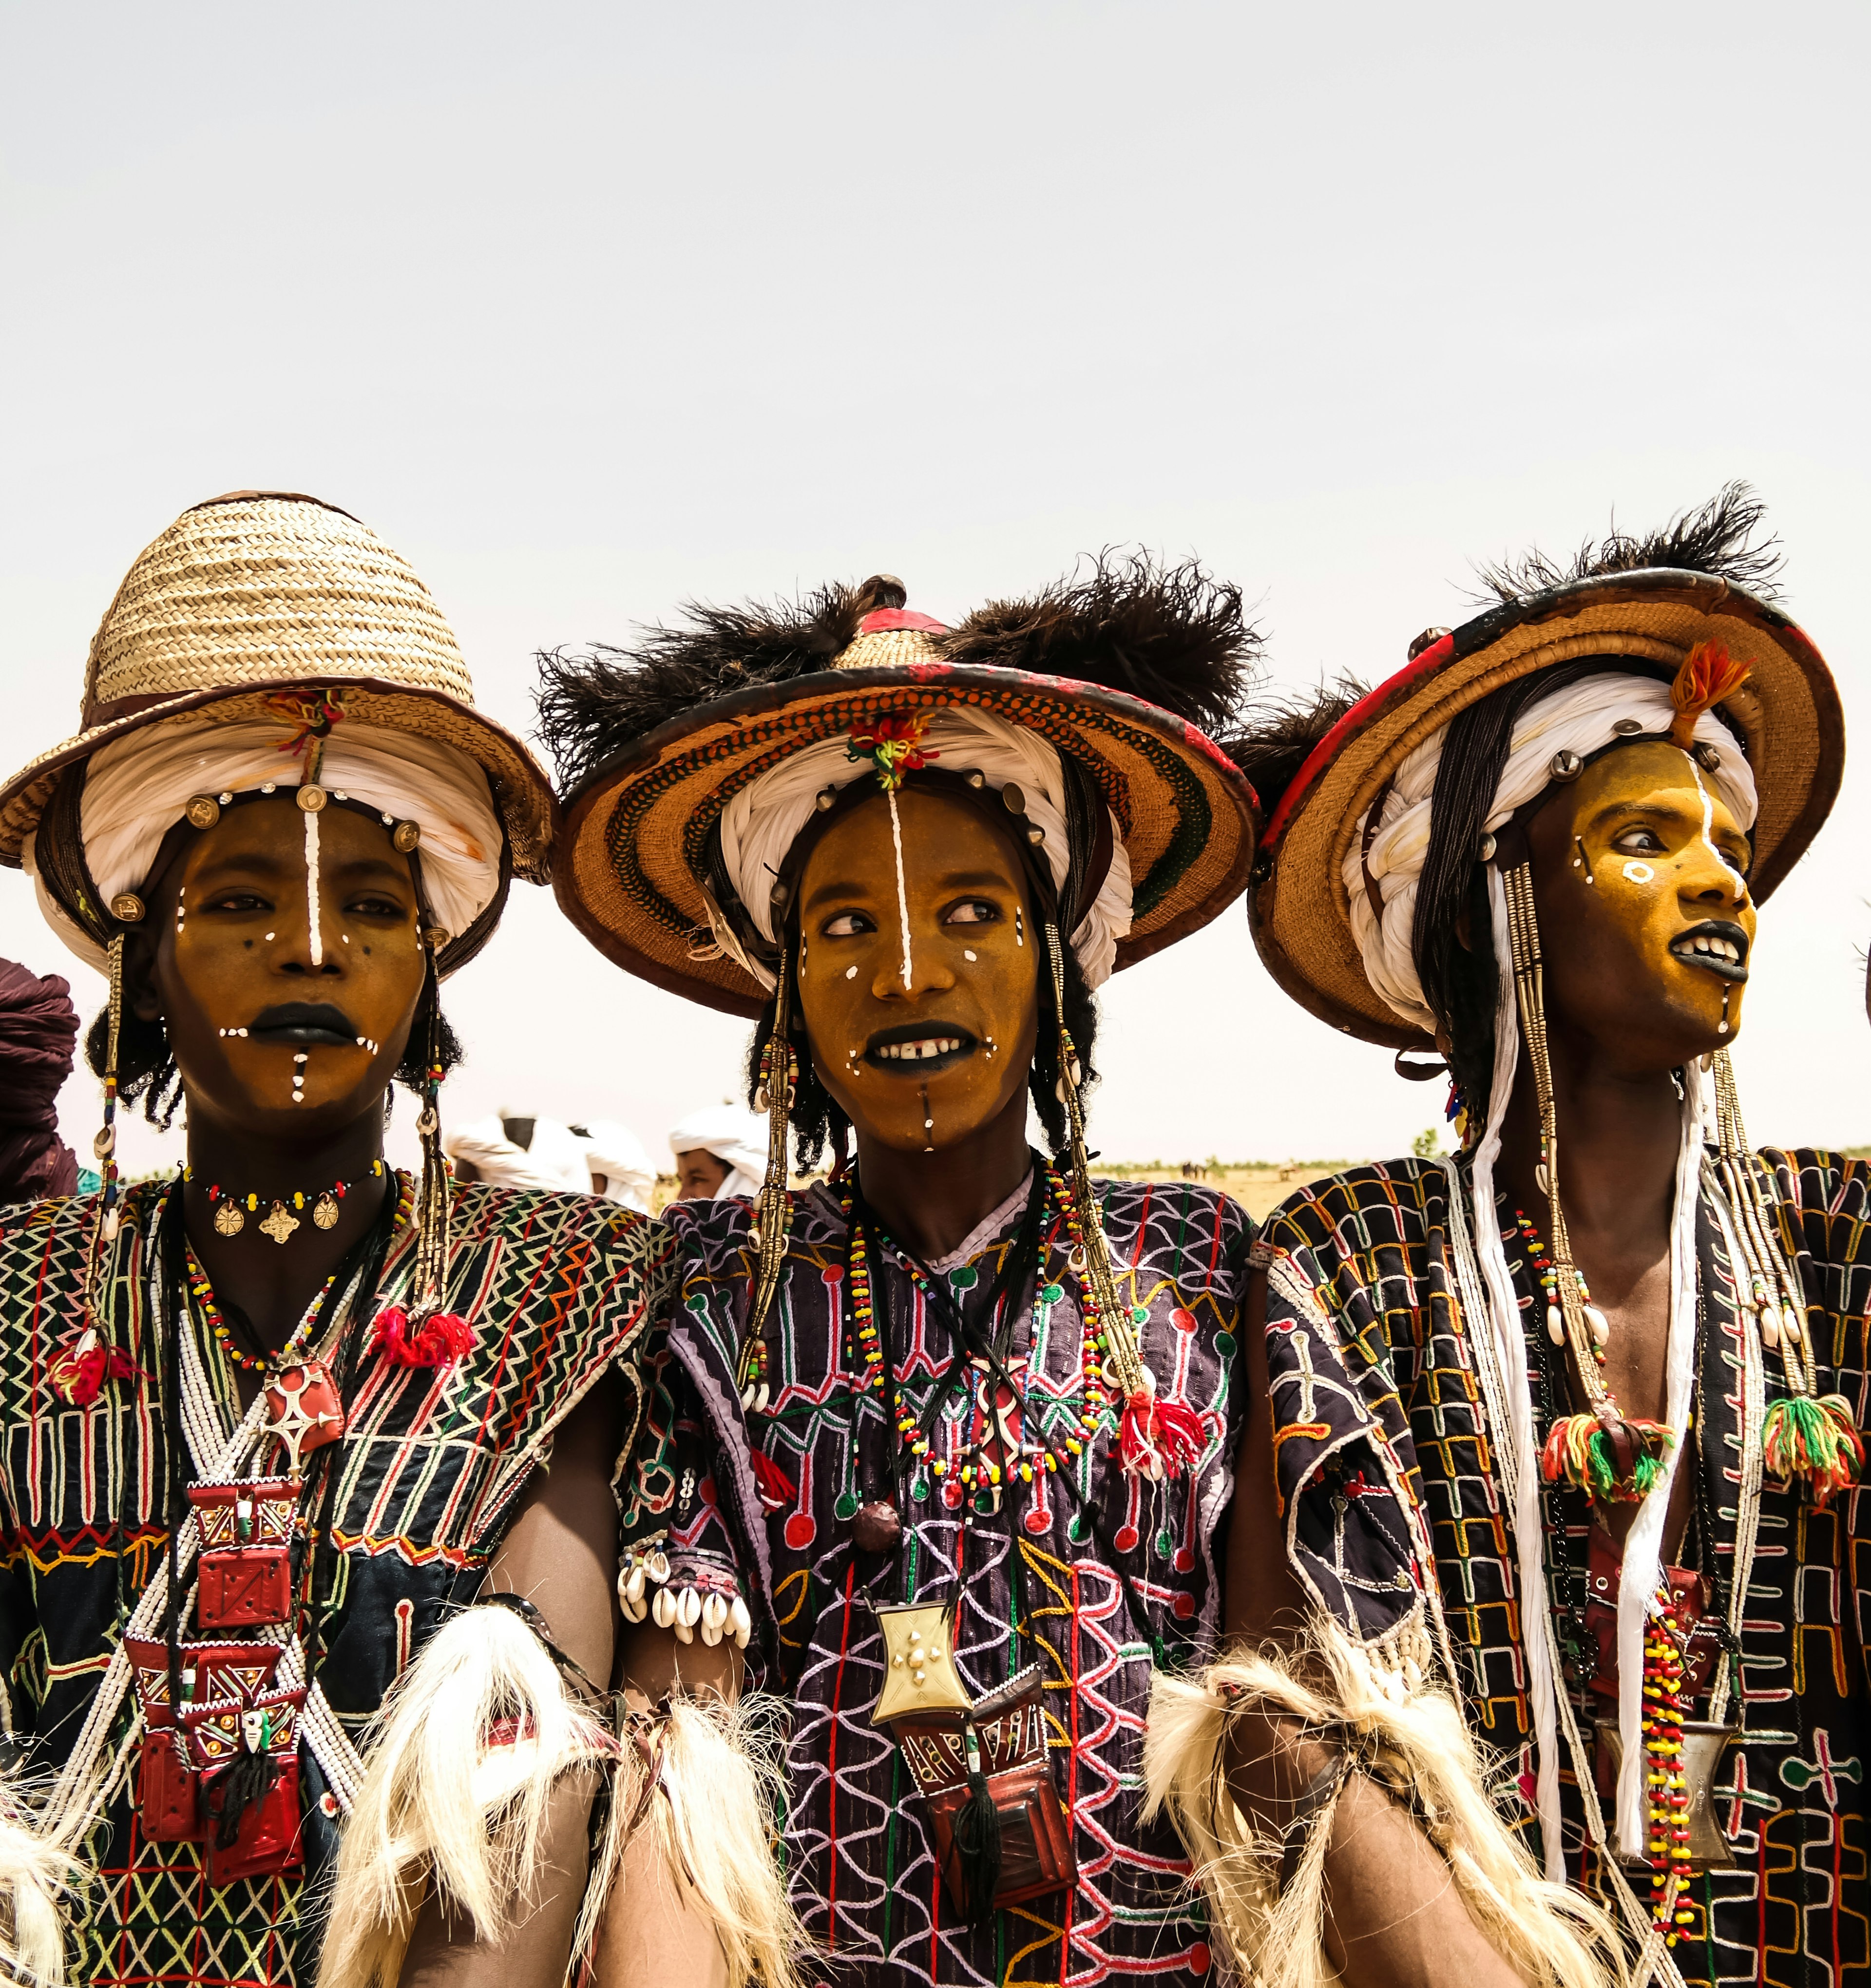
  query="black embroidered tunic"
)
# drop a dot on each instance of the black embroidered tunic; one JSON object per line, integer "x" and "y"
{"x": 1396, "y": 1519}
{"x": 557, "y": 1288}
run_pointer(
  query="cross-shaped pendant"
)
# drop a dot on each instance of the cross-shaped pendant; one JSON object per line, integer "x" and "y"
{"x": 281, "y": 1223}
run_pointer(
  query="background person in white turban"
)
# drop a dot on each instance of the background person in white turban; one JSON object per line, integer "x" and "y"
{"x": 720, "y": 1151}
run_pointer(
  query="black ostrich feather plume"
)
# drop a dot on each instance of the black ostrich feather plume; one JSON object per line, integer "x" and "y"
{"x": 1283, "y": 734}
{"x": 1718, "y": 538}
{"x": 1170, "y": 634}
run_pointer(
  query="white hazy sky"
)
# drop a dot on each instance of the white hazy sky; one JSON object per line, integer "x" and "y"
{"x": 590, "y": 310}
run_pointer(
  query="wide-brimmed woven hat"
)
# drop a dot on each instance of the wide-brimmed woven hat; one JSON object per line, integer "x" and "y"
{"x": 262, "y": 592}
{"x": 654, "y": 742}
{"x": 1787, "y": 713}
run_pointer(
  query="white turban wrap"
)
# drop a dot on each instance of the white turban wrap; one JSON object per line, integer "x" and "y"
{"x": 1578, "y": 719}
{"x": 554, "y": 1163}
{"x": 762, "y": 822}
{"x": 735, "y": 1138}
{"x": 615, "y": 1151}
{"x": 137, "y": 787}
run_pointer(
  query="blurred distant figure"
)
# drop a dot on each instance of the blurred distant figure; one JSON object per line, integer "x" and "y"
{"x": 39, "y": 1027}
{"x": 513, "y": 1151}
{"x": 603, "y": 1159}
{"x": 720, "y": 1151}
{"x": 619, "y": 1167}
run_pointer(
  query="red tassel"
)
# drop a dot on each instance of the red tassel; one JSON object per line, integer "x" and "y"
{"x": 1158, "y": 1439}
{"x": 777, "y": 1490}
{"x": 444, "y": 1338}
{"x": 78, "y": 1369}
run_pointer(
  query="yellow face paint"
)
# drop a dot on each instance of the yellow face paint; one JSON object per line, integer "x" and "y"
{"x": 1645, "y": 916}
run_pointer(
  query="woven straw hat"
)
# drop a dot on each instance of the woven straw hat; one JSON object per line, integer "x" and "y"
{"x": 626, "y": 867}
{"x": 264, "y": 591}
{"x": 1788, "y": 713}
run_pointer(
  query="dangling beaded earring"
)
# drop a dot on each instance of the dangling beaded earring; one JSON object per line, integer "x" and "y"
{"x": 426, "y": 1334}
{"x": 1806, "y": 1437}
{"x": 1615, "y": 1457}
{"x": 773, "y": 1206}
{"x": 1157, "y": 1438}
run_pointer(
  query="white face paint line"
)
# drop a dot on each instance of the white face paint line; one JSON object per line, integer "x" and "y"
{"x": 896, "y": 836}
{"x": 1708, "y": 817}
{"x": 317, "y": 942}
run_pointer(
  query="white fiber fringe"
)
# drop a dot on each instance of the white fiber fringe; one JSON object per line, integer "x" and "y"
{"x": 1419, "y": 1747}
{"x": 719, "y": 1781}
{"x": 441, "y": 1806}
{"x": 36, "y": 1871}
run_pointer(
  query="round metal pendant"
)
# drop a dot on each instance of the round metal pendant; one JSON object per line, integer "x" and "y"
{"x": 325, "y": 1210}
{"x": 228, "y": 1220}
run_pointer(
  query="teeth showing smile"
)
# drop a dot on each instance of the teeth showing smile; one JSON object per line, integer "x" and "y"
{"x": 930, "y": 1045}
{"x": 1723, "y": 952}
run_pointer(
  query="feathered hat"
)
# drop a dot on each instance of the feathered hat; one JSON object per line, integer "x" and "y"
{"x": 1108, "y": 683}
{"x": 1638, "y": 606}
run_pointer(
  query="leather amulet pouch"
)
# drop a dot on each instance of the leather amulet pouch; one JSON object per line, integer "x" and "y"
{"x": 246, "y": 1531}
{"x": 993, "y": 1753}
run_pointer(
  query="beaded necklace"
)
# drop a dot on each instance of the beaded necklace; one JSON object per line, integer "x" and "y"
{"x": 202, "y": 1291}
{"x": 231, "y": 1210}
{"x": 1665, "y": 1781}
{"x": 1579, "y": 1449}
{"x": 971, "y": 1468}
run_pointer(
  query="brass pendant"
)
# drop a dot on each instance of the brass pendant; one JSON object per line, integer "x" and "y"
{"x": 1703, "y": 1746}
{"x": 281, "y": 1224}
{"x": 228, "y": 1220}
{"x": 919, "y": 1673}
{"x": 325, "y": 1210}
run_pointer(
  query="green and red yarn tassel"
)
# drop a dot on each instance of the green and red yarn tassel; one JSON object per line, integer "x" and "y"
{"x": 1813, "y": 1439}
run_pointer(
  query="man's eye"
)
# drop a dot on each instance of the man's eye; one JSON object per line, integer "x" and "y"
{"x": 973, "y": 911}
{"x": 375, "y": 908}
{"x": 238, "y": 901}
{"x": 847, "y": 925}
{"x": 1638, "y": 842}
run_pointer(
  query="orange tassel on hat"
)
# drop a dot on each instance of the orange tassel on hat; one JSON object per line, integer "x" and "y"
{"x": 1708, "y": 675}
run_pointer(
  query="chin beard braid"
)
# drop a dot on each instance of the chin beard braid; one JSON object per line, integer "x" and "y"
{"x": 819, "y": 1122}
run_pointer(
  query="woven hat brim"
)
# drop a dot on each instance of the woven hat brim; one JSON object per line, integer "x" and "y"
{"x": 1789, "y": 711}
{"x": 522, "y": 792}
{"x": 625, "y": 862}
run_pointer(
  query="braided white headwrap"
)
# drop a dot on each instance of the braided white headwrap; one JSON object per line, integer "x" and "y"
{"x": 761, "y": 823}
{"x": 1580, "y": 719}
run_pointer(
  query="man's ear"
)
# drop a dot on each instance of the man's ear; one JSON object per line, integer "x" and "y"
{"x": 139, "y": 994}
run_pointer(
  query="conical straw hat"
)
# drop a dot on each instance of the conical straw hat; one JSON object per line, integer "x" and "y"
{"x": 264, "y": 591}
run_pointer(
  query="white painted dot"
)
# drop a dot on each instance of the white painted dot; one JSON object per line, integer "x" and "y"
{"x": 966, "y": 954}
{"x": 1638, "y": 873}
{"x": 851, "y": 973}
{"x": 269, "y": 934}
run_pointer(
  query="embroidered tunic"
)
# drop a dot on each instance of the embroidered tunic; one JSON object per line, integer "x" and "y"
{"x": 557, "y": 1289}
{"x": 1397, "y": 1519}
{"x": 1032, "y": 1582}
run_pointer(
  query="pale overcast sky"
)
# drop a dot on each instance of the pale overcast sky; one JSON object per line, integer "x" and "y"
{"x": 590, "y": 310}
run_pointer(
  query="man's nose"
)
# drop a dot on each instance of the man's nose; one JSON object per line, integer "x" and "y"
{"x": 923, "y": 971}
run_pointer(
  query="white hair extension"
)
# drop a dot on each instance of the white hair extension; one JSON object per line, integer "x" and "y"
{"x": 444, "y": 1805}
{"x": 1418, "y": 1745}
{"x": 722, "y": 1777}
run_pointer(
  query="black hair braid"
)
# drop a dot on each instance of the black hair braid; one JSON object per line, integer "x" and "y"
{"x": 1457, "y": 970}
